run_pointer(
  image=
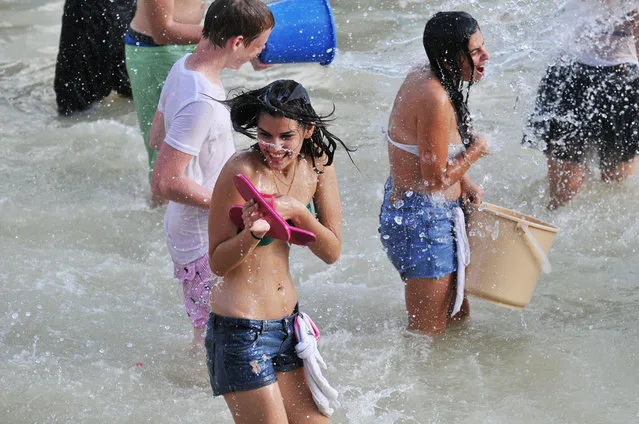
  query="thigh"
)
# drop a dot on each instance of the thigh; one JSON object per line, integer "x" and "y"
{"x": 428, "y": 302}
{"x": 565, "y": 180}
{"x": 298, "y": 400}
{"x": 239, "y": 359}
{"x": 263, "y": 405}
{"x": 619, "y": 172}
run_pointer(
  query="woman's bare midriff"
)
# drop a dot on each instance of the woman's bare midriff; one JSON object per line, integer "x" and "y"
{"x": 184, "y": 11}
{"x": 408, "y": 177}
{"x": 260, "y": 288}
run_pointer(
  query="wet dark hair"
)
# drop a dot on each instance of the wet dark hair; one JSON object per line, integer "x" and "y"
{"x": 226, "y": 19}
{"x": 446, "y": 38}
{"x": 289, "y": 99}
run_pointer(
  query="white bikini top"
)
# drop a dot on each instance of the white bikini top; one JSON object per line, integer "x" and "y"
{"x": 454, "y": 149}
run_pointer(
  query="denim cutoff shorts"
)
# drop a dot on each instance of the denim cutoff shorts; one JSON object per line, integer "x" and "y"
{"x": 417, "y": 234}
{"x": 245, "y": 354}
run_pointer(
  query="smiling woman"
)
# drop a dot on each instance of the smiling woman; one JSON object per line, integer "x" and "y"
{"x": 431, "y": 145}
{"x": 250, "y": 340}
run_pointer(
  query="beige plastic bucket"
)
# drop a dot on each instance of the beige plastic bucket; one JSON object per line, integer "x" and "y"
{"x": 507, "y": 252}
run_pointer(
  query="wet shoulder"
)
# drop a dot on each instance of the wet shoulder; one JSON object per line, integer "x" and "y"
{"x": 424, "y": 90}
{"x": 245, "y": 161}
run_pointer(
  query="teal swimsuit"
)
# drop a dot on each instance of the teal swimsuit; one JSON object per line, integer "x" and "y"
{"x": 268, "y": 240}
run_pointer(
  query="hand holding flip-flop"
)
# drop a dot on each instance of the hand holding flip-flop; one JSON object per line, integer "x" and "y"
{"x": 253, "y": 219}
{"x": 263, "y": 210}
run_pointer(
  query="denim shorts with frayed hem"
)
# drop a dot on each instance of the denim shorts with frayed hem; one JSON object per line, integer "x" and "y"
{"x": 246, "y": 354}
{"x": 417, "y": 234}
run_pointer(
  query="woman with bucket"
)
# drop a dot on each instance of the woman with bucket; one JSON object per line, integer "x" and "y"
{"x": 431, "y": 145}
{"x": 252, "y": 355}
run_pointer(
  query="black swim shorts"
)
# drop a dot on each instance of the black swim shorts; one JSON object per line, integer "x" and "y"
{"x": 580, "y": 108}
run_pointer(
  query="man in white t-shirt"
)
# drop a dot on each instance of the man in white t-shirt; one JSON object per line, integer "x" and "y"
{"x": 588, "y": 100}
{"x": 193, "y": 133}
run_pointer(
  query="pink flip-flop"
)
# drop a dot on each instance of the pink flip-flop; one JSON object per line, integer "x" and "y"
{"x": 280, "y": 229}
{"x": 300, "y": 236}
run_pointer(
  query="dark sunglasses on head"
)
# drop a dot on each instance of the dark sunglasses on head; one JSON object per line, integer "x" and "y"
{"x": 284, "y": 96}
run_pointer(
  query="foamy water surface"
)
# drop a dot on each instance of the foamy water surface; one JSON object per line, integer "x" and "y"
{"x": 94, "y": 328}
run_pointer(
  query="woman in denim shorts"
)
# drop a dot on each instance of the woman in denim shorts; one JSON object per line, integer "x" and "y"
{"x": 431, "y": 145}
{"x": 250, "y": 341}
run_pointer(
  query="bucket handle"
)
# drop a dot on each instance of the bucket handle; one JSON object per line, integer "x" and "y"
{"x": 533, "y": 244}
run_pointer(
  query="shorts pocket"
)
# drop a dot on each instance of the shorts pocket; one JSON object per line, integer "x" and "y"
{"x": 241, "y": 340}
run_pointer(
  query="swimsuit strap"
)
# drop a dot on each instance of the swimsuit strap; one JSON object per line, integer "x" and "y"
{"x": 408, "y": 148}
{"x": 454, "y": 149}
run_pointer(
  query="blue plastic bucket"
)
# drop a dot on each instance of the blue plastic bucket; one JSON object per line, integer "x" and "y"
{"x": 304, "y": 32}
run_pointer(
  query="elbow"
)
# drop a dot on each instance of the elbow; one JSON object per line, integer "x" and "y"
{"x": 158, "y": 186}
{"x": 161, "y": 35}
{"x": 331, "y": 260}
{"x": 332, "y": 256}
{"x": 437, "y": 183}
{"x": 215, "y": 268}
{"x": 434, "y": 180}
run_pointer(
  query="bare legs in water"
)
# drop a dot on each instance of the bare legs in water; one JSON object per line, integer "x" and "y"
{"x": 567, "y": 178}
{"x": 429, "y": 303}
{"x": 286, "y": 401}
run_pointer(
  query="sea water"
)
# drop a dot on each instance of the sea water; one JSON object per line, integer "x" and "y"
{"x": 93, "y": 324}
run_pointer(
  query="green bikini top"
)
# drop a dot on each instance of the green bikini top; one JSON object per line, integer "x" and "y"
{"x": 268, "y": 240}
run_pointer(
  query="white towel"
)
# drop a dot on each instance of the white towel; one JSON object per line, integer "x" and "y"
{"x": 307, "y": 334}
{"x": 463, "y": 256}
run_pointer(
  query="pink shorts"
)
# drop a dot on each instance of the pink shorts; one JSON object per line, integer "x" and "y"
{"x": 197, "y": 280}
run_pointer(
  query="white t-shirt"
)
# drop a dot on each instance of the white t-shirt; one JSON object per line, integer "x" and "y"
{"x": 197, "y": 125}
{"x": 603, "y": 34}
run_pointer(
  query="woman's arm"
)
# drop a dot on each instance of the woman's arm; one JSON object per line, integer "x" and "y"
{"x": 433, "y": 132}
{"x": 471, "y": 192}
{"x": 327, "y": 225}
{"x": 164, "y": 29}
{"x": 227, "y": 247}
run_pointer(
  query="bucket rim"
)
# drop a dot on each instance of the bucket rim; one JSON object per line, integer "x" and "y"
{"x": 506, "y": 213}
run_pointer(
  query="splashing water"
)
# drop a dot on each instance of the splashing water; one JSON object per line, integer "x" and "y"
{"x": 89, "y": 294}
